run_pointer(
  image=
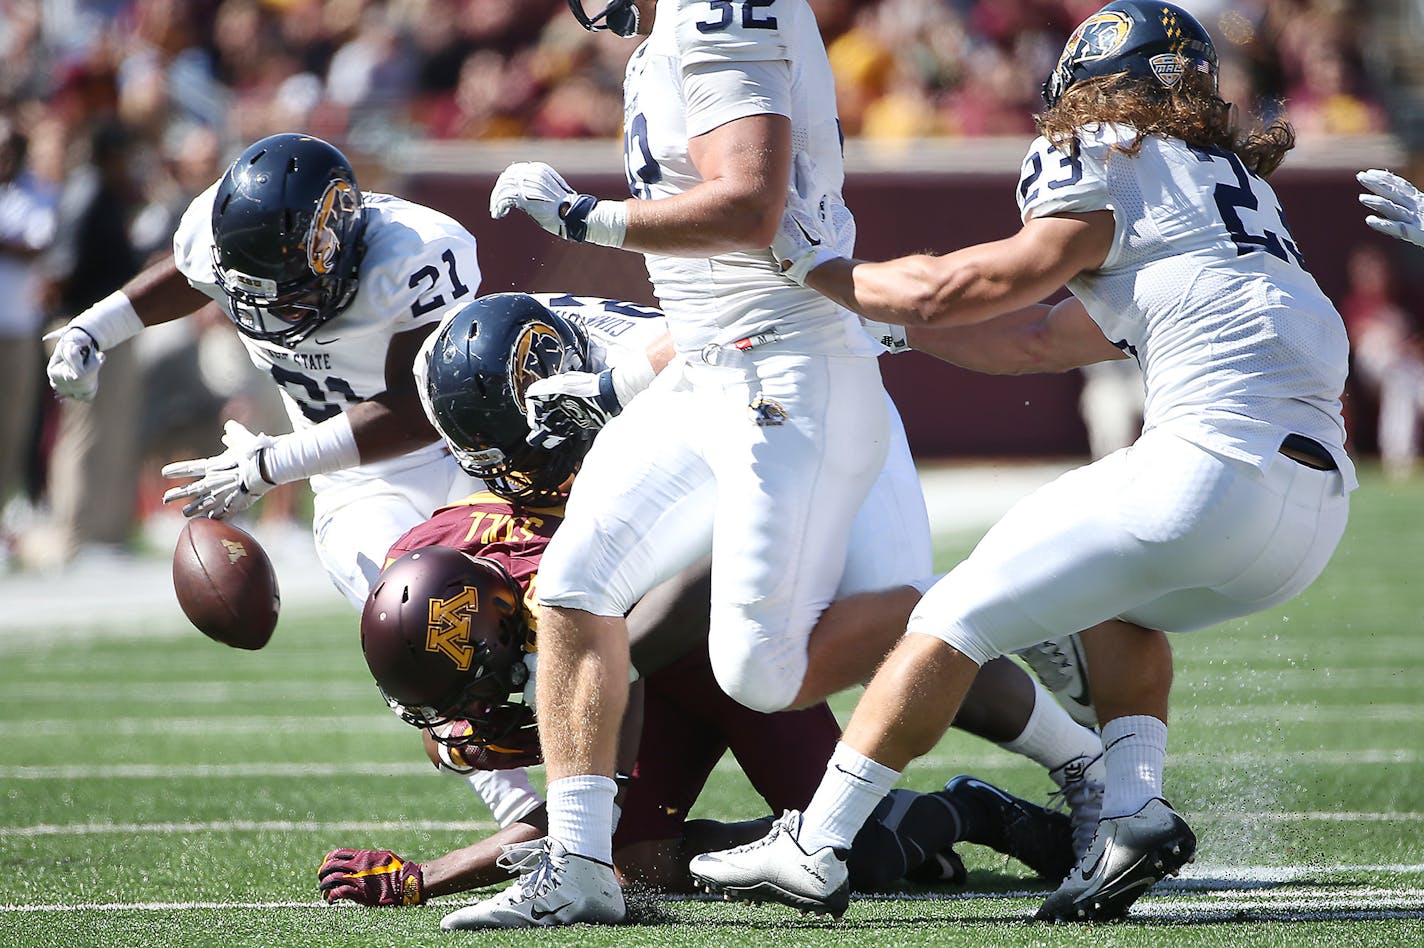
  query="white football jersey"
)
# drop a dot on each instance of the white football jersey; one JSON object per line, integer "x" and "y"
{"x": 1206, "y": 288}
{"x": 704, "y": 65}
{"x": 615, "y": 329}
{"x": 418, "y": 266}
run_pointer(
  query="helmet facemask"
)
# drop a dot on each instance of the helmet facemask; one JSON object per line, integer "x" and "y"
{"x": 619, "y": 17}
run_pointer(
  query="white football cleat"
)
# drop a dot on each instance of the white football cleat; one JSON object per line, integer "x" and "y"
{"x": 776, "y": 869}
{"x": 555, "y": 887}
{"x": 1062, "y": 667}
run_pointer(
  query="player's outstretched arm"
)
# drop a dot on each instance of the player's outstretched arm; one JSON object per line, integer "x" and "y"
{"x": 1398, "y": 206}
{"x": 972, "y": 284}
{"x": 379, "y": 877}
{"x": 158, "y": 294}
{"x": 1037, "y": 338}
{"x": 393, "y": 423}
{"x": 385, "y": 426}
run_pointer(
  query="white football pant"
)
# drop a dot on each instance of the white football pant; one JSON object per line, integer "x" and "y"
{"x": 766, "y": 463}
{"x": 1162, "y": 534}
{"x": 356, "y": 521}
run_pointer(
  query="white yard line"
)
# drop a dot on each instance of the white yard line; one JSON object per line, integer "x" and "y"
{"x": 363, "y": 768}
{"x": 944, "y": 762}
{"x": 156, "y": 906}
{"x": 247, "y": 826}
{"x": 243, "y": 724}
{"x": 1211, "y": 874}
{"x": 1297, "y": 903}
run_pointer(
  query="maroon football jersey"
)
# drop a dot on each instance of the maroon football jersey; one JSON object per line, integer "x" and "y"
{"x": 486, "y": 525}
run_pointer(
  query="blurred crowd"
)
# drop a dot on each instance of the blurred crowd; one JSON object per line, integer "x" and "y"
{"x": 115, "y": 113}
{"x": 369, "y": 71}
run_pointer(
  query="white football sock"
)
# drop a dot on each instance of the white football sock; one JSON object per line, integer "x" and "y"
{"x": 1134, "y": 748}
{"x": 1052, "y": 738}
{"x": 851, "y": 789}
{"x": 581, "y": 815}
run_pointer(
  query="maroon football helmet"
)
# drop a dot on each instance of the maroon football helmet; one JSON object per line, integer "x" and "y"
{"x": 444, "y": 634}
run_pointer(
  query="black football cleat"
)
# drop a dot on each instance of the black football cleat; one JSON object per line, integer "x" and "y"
{"x": 1129, "y": 855}
{"x": 1038, "y": 838}
{"x": 943, "y": 868}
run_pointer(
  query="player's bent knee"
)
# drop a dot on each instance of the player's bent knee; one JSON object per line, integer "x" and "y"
{"x": 973, "y": 645}
{"x": 756, "y": 683}
{"x": 565, "y": 581}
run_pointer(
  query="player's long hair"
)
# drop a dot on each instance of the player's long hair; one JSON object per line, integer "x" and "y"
{"x": 1192, "y": 112}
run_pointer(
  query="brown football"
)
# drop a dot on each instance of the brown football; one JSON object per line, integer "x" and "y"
{"x": 225, "y": 583}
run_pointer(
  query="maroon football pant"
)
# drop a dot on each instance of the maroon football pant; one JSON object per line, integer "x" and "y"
{"x": 689, "y": 723}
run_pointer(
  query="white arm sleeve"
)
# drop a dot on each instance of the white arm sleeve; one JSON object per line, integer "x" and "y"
{"x": 508, "y": 794}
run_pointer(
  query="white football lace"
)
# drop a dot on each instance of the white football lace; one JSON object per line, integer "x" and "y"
{"x": 538, "y": 866}
{"x": 1078, "y": 797}
{"x": 520, "y": 857}
{"x": 789, "y": 822}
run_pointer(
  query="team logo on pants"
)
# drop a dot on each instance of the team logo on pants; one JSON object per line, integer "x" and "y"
{"x": 767, "y": 412}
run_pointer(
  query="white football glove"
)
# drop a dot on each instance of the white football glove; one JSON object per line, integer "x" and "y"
{"x": 541, "y": 192}
{"x": 227, "y": 483}
{"x": 562, "y": 405}
{"x": 802, "y": 243}
{"x": 1398, "y": 206}
{"x": 74, "y": 367}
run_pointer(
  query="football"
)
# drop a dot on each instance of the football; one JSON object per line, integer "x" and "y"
{"x": 225, "y": 583}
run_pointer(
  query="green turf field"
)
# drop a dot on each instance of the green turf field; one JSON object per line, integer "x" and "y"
{"x": 159, "y": 789}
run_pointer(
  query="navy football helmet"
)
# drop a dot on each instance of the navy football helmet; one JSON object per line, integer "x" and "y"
{"x": 619, "y": 16}
{"x": 1153, "y": 40}
{"x": 445, "y": 635}
{"x": 288, "y": 226}
{"x": 481, "y": 363}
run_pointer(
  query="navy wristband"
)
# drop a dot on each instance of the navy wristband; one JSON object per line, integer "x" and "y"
{"x": 607, "y": 394}
{"x": 576, "y": 217}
